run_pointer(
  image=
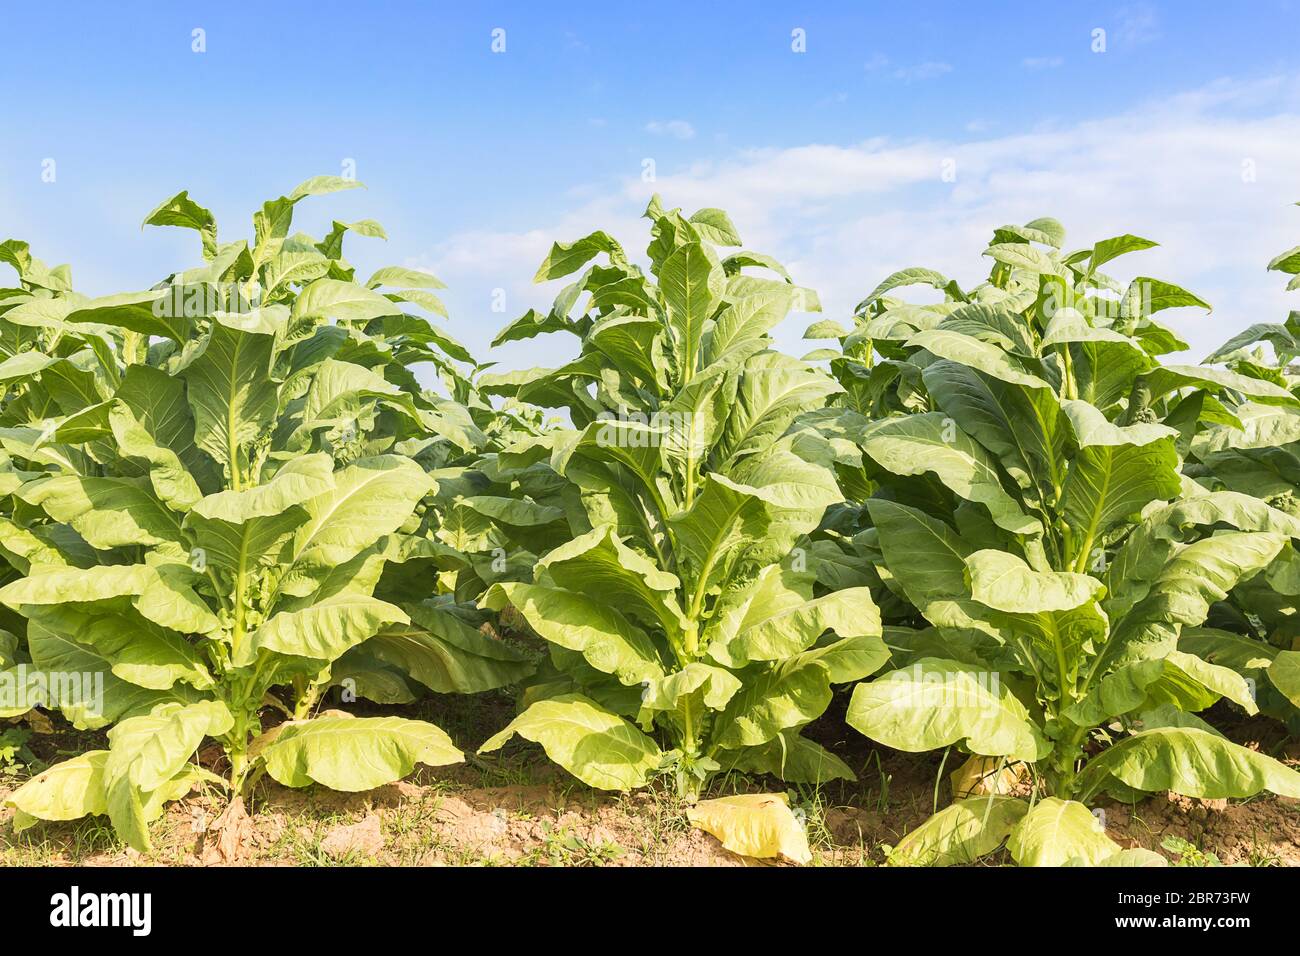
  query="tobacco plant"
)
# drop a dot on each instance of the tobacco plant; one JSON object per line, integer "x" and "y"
{"x": 1253, "y": 447}
{"x": 243, "y": 507}
{"x": 1029, "y": 515}
{"x": 688, "y": 632}
{"x": 47, "y": 370}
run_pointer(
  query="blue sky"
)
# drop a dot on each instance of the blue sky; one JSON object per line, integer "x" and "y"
{"x": 1186, "y": 129}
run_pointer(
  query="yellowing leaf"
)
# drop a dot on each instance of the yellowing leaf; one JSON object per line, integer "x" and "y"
{"x": 754, "y": 824}
{"x": 981, "y": 776}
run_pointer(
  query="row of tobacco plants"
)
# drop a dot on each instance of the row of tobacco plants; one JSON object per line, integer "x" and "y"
{"x": 995, "y": 521}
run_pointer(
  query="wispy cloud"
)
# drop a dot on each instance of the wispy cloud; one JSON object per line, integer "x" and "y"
{"x": 844, "y": 216}
{"x": 928, "y": 70}
{"x": 1042, "y": 62}
{"x": 678, "y": 129}
{"x": 1136, "y": 25}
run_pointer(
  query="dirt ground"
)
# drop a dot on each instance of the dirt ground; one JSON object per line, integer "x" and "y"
{"x": 518, "y": 809}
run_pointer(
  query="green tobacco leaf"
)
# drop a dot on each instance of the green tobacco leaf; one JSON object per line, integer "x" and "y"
{"x": 1022, "y": 424}
{"x": 792, "y": 758}
{"x": 181, "y": 210}
{"x": 746, "y": 321}
{"x": 703, "y": 684}
{"x": 779, "y": 496}
{"x": 332, "y": 298}
{"x": 691, "y": 281}
{"x": 568, "y": 257}
{"x": 773, "y": 618}
{"x": 157, "y": 595}
{"x": 352, "y": 754}
{"x": 600, "y": 567}
{"x": 904, "y": 277}
{"x": 1183, "y": 590}
{"x": 171, "y": 481}
{"x": 445, "y": 654}
{"x": 238, "y": 530}
{"x": 107, "y": 512}
{"x": 61, "y": 657}
{"x": 231, "y": 392}
{"x": 136, "y": 312}
{"x": 147, "y": 752}
{"x": 69, "y": 790}
{"x": 1194, "y": 763}
{"x": 960, "y": 834}
{"x": 401, "y": 277}
{"x": 1056, "y": 832}
{"x": 137, "y": 651}
{"x": 1118, "y": 471}
{"x": 1109, "y": 249}
{"x": 938, "y": 702}
{"x": 971, "y": 352}
{"x": 928, "y": 560}
{"x": 932, "y": 442}
{"x": 780, "y": 697}
{"x": 1004, "y": 582}
{"x": 370, "y": 498}
{"x": 1284, "y": 674}
{"x": 321, "y": 631}
{"x": 599, "y": 748}
{"x": 773, "y": 390}
{"x": 596, "y": 629}
{"x": 1167, "y": 378}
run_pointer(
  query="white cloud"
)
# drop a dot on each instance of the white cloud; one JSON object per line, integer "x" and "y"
{"x": 844, "y": 216}
{"x": 922, "y": 71}
{"x": 1136, "y": 25}
{"x": 1042, "y": 62}
{"x": 678, "y": 129}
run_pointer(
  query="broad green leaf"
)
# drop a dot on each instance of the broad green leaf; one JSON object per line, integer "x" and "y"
{"x": 928, "y": 560}
{"x": 937, "y": 702}
{"x": 596, "y": 629}
{"x": 1284, "y": 673}
{"x": 69, "y": 790}
{"x": 1191, "y": 762}
{"x": 600, "y": 567}
{"x": 137, "y": 650}
{"x": 1109, "y": 249}
{"x": 322, "y": 631}
{"x": 170, "y": 479}
{"x": 773, "y": 390}
{"x": 780, "y": 697}
{"x": 181, "y": 210}
{"x": 370, "y": 498}
{"x": 792, "y": 758}
{"x": 238, "y": 530}
{"x": 1005, "y": 583}
{"x": 1023, "y": 426}
{"x": 1167, "y": 378}
{"x": 352, "y": 754}
{"x": 691, "y": 282}
{"x": 107, "y": 512}
{"x": 599, "y": 748}
{"x": 148, "y": 313}
{"x": 961, "y": 833}
{"x": 568, "y": 257}
{"x": 1118, "y": 471}
{"x": 1056, "y": 832}
{"x": 232, "y": 395}
{"x": 932, "y": 442}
